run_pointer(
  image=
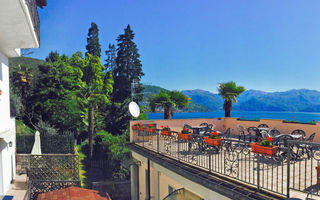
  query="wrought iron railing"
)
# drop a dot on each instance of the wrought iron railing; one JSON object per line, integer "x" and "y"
{"x": 36, "y": 187}
{"x": 32, "y": 6}
{"x": 50, "y": 172}
{"x": 289, "y": 172}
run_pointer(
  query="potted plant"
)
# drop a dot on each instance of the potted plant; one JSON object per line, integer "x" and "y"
{"x": 165, "y": 131}
{"x": 151, "y": 128}
{"x": 141, "y": 127}
{"x": 265, "y": 147}
{"x": 185, "y": 134}
{"x": 213, "y": 139}
{"x": 135, "y": 126}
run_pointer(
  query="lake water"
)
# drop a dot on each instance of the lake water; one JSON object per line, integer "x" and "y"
{"x": 298, "y": 116}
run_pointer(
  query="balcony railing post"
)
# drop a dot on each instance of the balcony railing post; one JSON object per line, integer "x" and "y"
{"x": 158, "y": 141}
{"x": 209, "y": 160}
{"x": 178, "y": 149}
{"x": 143, "y": 139}
{"x": 288, "y": 168}
{"x": 258, "y": 171}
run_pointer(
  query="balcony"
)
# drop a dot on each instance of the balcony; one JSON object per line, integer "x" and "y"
{"x": 291, "y": 172}
{"x": 19, "y": 26}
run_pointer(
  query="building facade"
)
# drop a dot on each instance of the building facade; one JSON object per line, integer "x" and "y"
{"x": 19, "y": 28}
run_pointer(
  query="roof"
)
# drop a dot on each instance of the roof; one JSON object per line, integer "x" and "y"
{"x": 72, "y": 193}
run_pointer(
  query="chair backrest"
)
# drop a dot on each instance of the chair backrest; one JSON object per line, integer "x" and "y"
{"x": 274, "y": 132}
{"x": 263, "y": 126}
{"x": 204, "y": 124}
{"x": 228, "y": 133}
{"x": 253, "y": 130}
{"x": 210, "y": 126}
{"x": 282, "y": 141}
{"x": 240, "y": 129}
{"x": 311, "y": 137}
{"x": 187, "y": 126}
{"x": 298, "y": 132}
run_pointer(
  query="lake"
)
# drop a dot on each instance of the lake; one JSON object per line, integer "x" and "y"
{"x": 298, "y": 116}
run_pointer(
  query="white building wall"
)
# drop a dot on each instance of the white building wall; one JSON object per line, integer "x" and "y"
{"x": 5, "y": 97}
{"x": 7, "y": 130}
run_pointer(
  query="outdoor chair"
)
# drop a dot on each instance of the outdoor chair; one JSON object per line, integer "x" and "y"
{"x": 311, "y": 137}
{"x": 283, "y": 145}
{"x": 227, "y": 134}
{"x": 187, "y": 126}
{"x": 241, "y": 132}
{"x": 299, "y": 132}
{"x": 263, "y": 126}
{"x": 204, "y": 124}
{"x": 274, "y": 132}
{"x": 211, "y": 126}
{"x": 254, "y": 134}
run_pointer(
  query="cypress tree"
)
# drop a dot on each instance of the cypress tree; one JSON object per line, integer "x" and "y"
{"x": 93, "y": 46}
{"x": 128, "y": 68}
{"x": 125, "y": 68}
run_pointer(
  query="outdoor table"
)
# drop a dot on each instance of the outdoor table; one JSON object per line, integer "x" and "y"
{"x": 295, "y": 137}
{"x": 196, "y": 129}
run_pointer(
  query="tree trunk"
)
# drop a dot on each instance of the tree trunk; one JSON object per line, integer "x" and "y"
{"x": 167, "y": 113}
{"x": 91, "y": 130}
{"x": 227, "y": 106}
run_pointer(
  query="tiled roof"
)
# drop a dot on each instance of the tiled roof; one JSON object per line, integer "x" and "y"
{"x": 72, "y": 193}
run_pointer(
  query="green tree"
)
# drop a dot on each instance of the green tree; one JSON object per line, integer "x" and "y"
{"x": 93, "y": 45}
{"x": 168, "y": 100}
{"x": 95, "y": 90}
{"x": 229, "y": 92}
{"x": 126, "y": 68}
{"x": 54, "y": 97}
{"x": 111, "y": 58}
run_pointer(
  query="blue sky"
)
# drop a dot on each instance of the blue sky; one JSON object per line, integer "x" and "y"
{"x": 268, "y": 45}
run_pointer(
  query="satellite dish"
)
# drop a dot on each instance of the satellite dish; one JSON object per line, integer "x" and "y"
{"x": 134, "y": 109}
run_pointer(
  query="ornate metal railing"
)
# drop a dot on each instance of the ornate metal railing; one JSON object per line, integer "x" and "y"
{"x": 32, "y": 6}
{"x": 36, "y": 187}
{"x": 291, "y": 169}
{"x": 50, "y": 172}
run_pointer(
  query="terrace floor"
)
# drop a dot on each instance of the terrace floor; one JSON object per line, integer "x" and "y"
{"x": 19, "y": 188}
{"x": 241, "y": 165}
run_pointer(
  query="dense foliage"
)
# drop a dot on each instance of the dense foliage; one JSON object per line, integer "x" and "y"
{"x": 68, "y": 97}
{"x": 50, "y": 144}
{"x": 93, "y": 45}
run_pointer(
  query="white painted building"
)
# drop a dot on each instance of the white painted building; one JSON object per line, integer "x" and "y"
{"x": 19, "y": 28}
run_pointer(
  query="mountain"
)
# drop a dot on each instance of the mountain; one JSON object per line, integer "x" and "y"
{"x": 202, "y": 97}
{"x": 192, "y": 107}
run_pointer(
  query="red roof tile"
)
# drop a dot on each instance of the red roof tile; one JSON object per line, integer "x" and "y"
{"x": 72, "y": 193}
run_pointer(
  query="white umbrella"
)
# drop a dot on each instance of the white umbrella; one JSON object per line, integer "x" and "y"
{"x": 36, "y": 150}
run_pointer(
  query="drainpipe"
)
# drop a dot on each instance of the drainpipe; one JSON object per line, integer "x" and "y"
{"x": 148, "y": 197}
{"x": 134, "y": 179}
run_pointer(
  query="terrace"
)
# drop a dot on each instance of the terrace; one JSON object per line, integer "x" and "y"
{"x": 291, "y": 172}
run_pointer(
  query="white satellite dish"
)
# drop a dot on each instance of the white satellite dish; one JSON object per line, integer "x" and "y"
{"x": 134, "y": 109}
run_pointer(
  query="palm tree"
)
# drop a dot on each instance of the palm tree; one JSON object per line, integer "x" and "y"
{"x": 229, "y": 92}
{"x": 168, "y": 100}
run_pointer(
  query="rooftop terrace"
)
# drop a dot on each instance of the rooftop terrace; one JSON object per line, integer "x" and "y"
{"x": 291, "y": 172}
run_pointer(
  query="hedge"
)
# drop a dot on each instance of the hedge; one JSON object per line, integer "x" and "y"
{"x": 50, "y": 144}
